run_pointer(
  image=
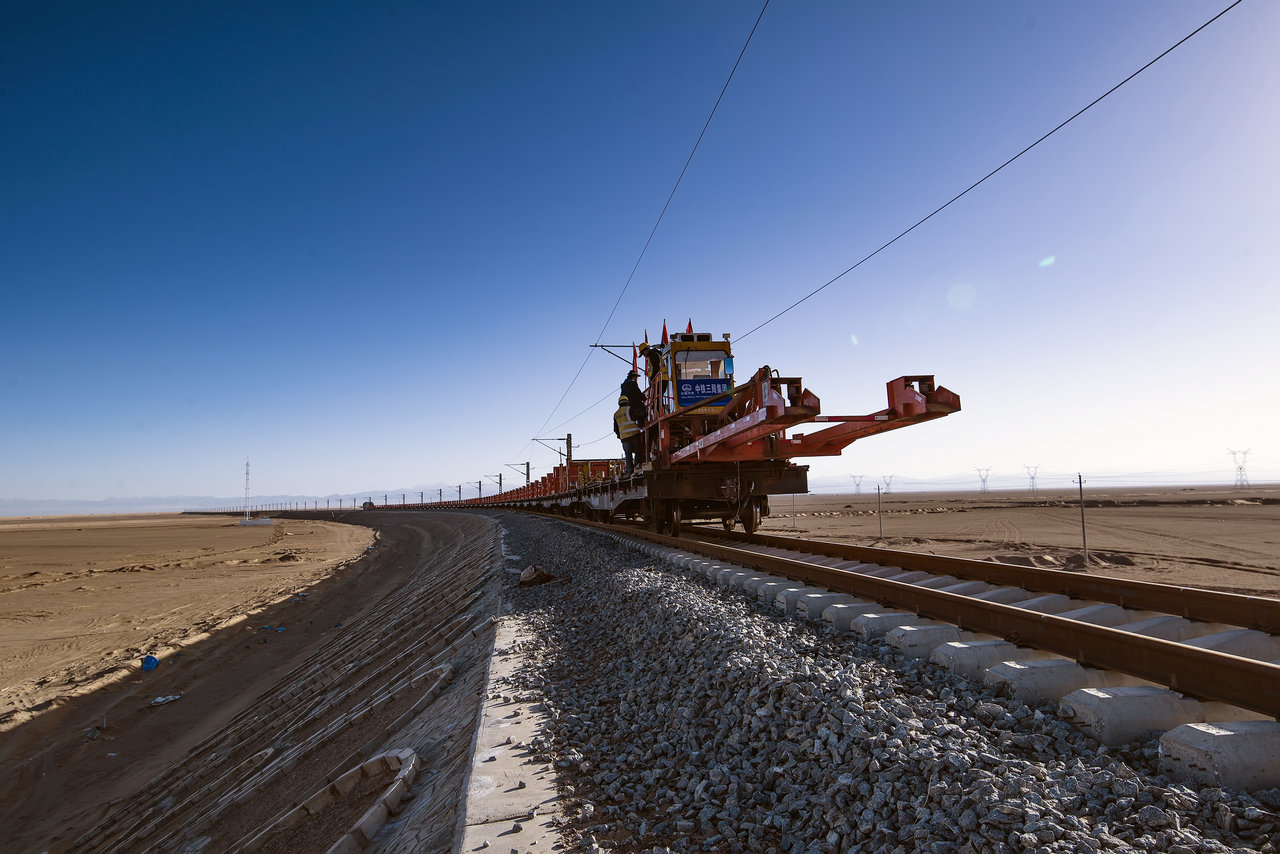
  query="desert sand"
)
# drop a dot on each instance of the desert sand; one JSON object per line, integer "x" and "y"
{"x": 82, "y": 600}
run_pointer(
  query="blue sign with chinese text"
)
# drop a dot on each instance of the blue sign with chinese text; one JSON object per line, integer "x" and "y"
{"x": 691, "y": 391}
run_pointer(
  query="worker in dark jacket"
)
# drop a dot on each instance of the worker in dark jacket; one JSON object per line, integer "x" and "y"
{"x": 628, "y": 432}
{"x": 635, "y": 397}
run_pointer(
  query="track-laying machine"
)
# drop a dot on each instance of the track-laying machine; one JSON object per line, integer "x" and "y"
{"x": 713, "y": 448}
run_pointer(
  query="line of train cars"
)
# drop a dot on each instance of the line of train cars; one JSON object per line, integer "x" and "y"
{"x": 714, "y": 449}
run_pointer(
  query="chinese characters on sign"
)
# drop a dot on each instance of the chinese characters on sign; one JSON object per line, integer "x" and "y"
{"x": 692, "y": 391}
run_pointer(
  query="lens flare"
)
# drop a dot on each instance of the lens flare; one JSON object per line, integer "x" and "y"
{"x": 1048, "y": 262}
{"x": 853, "y": 339}
{"x": 962, "y": 296}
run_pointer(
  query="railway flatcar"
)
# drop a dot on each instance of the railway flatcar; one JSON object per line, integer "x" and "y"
{"x": 714, "y": 448}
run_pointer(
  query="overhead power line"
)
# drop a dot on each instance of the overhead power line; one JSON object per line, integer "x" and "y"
{"x": 981, "y": 180}
{"x": 683, "y": 170}
{"x": 662, "y": 214}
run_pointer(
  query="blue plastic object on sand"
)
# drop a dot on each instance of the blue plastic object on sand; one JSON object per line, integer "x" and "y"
{"x": 150, "y": 662}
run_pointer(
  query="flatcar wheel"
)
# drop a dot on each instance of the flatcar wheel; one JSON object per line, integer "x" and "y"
{"x": 657, "y": 517}
{"x": 673, "y": 519}
{"x": 751, "y": 517}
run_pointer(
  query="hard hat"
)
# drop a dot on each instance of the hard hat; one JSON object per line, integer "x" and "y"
{"x": 623, "y": 400}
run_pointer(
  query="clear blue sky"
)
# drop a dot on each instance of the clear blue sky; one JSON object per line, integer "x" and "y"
{"x": 368, "y": 245}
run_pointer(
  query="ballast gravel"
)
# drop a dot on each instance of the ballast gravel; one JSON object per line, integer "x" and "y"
{"x": 686, "y": 718}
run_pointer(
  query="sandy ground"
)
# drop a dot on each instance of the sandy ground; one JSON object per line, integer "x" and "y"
{"x": 82, "y": 600}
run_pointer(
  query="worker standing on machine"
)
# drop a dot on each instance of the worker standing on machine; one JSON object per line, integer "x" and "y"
{"x": 635, "y": 397}
{"x": 657, "y": 374}
{"x": 635, "y": 404}
{"x": 628, "y": 432}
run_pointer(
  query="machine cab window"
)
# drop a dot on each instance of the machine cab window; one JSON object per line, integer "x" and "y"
{"x": 700, "y": 374}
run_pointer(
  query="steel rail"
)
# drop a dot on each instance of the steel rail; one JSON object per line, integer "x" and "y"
{"x": 1193, "y": 603}
{"x": 1193, "y": 671}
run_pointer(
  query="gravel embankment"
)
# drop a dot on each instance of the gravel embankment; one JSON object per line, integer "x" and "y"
{"x": 685, "y": 718}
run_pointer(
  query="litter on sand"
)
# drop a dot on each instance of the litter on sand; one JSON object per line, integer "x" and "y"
{"x": 160, "y": 701}
{"x": 534, "y": 574}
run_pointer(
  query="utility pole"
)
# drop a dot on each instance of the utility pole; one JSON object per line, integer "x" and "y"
{"x": 440, "y": 494}
{"x": 982, "y": 475}
{"x": 879, "y": 515}
{"x": 1083, "y": 538}
{"x": 480, "y": 488}
{"x": 459, "y": 492}
{"x": 517, "y": 468}
{"x": 498, "y": 476}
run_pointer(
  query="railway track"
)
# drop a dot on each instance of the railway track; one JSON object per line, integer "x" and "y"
{"x": 689, "y": 718}
{"x": 1203, "y": 644}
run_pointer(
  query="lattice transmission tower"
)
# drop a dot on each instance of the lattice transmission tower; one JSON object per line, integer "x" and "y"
{"x": 982, "y": 476}
{"x": 1240, "y": 458}
{"x": 857, "y": 484}
{"x": 888, "y": 483}
{"x": 1031, "y": 475}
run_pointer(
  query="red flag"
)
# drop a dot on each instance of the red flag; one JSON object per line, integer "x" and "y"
{"x": 665, "y": 337}
{"x": 689, "y": 328}
{"x": 634, "y": 358}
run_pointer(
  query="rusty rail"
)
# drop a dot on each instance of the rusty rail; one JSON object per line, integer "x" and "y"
{"x": 1193, "y": 603}
{"x": 1205, "y": 674}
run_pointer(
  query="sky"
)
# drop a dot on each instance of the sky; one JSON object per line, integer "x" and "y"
{"x": 368, "y": 246}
